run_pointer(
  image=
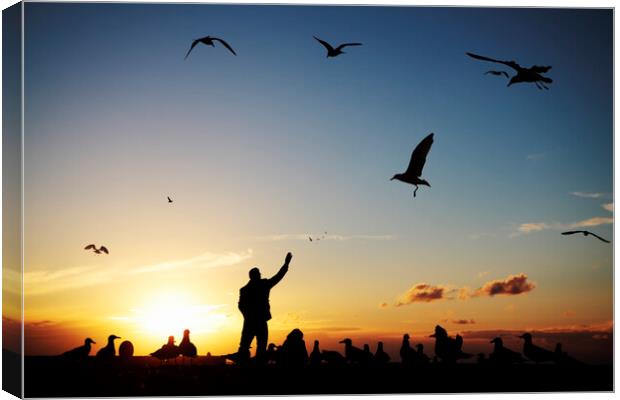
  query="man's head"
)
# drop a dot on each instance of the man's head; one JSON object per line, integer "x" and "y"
{"x": 254, "y": 274}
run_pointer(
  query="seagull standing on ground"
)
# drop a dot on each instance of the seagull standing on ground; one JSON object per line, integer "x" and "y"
{"x": 99, "y": 250}
{"x": 532, "y": 74}
{"x": 586, "y": 233}
{"x": 79, "y": 352}
{"x": 333, "y": 52}
{"x": 418, "y": 159}
{"x": 208, "y": 40}
{"x": 108, "y": 352}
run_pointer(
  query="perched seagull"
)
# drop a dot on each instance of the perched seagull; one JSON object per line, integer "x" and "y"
{"x": 79, "y": 352}
{"x": 418, "y": 159}
{"x": 169, "y": 199}
{"x": 535, "y": 353}
{"x": 208, "y": 40}
{"x": 108, "y": 351}
{"x": 586, "y": 233}
{"x": 97, "y": 250}
{"x": 532, "y": 74}
{"x": 498, "y": 73}
{"x": 331, "y": 52}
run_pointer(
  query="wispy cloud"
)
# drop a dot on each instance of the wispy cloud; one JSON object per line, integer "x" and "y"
{"x": 463, "y": 321}
{"x": 588, "y": 195}
{"x": 609, "y": 207}
{"x": 338, "y": 238}
{"x": 530, "y": 227}
{"x": 535, "y": 156}
{"x": 45, "y": 282}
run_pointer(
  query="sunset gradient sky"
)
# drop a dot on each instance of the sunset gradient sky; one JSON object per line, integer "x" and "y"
{"x": 261, "y": 150}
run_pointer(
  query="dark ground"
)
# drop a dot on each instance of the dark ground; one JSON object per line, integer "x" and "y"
{"x": 144, "y": 376}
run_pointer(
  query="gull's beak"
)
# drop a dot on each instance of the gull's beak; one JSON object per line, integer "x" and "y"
{"x": 433, "y": 335}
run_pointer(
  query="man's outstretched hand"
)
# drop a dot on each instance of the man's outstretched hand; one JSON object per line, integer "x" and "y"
{"x": 288, "y": 258}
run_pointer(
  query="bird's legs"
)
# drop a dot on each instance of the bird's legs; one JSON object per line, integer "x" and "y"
{"x": 543, "y": 85}
{"x": 416, "y": 189}
{"x": 538, "y": 85}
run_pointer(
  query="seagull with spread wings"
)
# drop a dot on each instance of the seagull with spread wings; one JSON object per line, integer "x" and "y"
{"x": 99, "y": 250}
{"x": 418, "y": 159}
{"x": 586, "y": 233}
{"x": 532, "y": 74}
{"x": 208, "y": 40}
{"x": 333, "y": 52}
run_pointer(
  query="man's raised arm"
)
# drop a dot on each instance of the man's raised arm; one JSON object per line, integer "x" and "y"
{"x": 278, "y": 277}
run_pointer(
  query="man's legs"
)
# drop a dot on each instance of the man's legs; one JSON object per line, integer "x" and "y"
{"x": 262, "y": 333}
{"x": 247, "y": 334}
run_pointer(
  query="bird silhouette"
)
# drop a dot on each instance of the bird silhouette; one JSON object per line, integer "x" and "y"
{"x": 535, "y": 353}
{"x": 108, "y": 351}
{"x": 96, "y": 250}
{"x": 353, "y": 354}
{"x": 333, "y": 357}
{"x": 125, "y": 350}
{"x": 532, "y": 74}
{"x": 169, "y": 199}
{"x": 187, "y": 348}
{"x": 315, "y": 355}
{"x": 80, "y": 352}
{"x": 333, "y": 52}
{"x": 271, "y": 355}
{"x": 503, "y": 355}
{"x": 167, "y": 351}
{"x": 381, "y": 357}
{"x": 498, "y": 73}
{"x": 407, "y": 354}
{"x": 562, "y": 357}
{"x": 208, "y": 40}
{"x": 416, "y": 164}
{"x": 420, "y": 357}
{"x": 586, "y": 233}
{"x": 448, "y": 349}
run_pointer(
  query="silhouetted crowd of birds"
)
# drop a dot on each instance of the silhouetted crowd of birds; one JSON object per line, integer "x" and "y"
{"x": 293, "y": 352}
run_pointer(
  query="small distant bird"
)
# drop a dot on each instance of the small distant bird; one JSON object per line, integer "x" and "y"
{"x": 498, "y": 73}
{"x": 586, "y": 233}
{"x": 381, "y": 357}
{"x": 532, "y": 74}
{"x": 167, "y": 351}
{"x": 208, "y": 40}
{"x": 108, "y": 351}
{"x": 125, "y": 350}
{"x": 309, "y": 238}
{"x": 331, "y": 52}
{"x": 416, "y": 164}
{"x": 80, "y": 352}
{"x": 169, "y": 199}
{"x": 99, "y": 250}
{"x": 535, "y": 353}
{"x": 187, "y": 348}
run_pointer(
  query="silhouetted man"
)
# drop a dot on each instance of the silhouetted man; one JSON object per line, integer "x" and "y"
{"x": 254, "y": 305}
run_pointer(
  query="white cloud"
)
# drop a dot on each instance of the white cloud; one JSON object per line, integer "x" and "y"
{"x": 609, "y": 207}
{"x": 587, "y": 195}
{"x": 530, "y": 227}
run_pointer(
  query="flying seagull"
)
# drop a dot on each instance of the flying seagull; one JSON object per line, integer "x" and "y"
{"x": 498, "y": 73}
{"x": 418, "y": 158}
{"x": 331, "y": 52}
{"x": 208, "y": 40}
{"x": 586, "y": 233}
{"x": 169, "y": 199}
{"x": 97, "y": 250}
{"x": 532, "y": 74}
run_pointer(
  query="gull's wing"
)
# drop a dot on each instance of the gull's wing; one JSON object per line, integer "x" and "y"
{"x": 571, "y": 232}
{"x": 324, "y": 43}
{"x": 104, "y": 249}
{"x": 169, "y": 199}
{"x": 225, "y": 45}
{"x": 510, "y": 64}
{"x": 194, "y": 43}
{"x": 90, "y": 246}
{"x": 342, "y": 46}
{"x": 540, "y": 69}
{"x": 418, "y": 157}
{"x": 598, "y": 237}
